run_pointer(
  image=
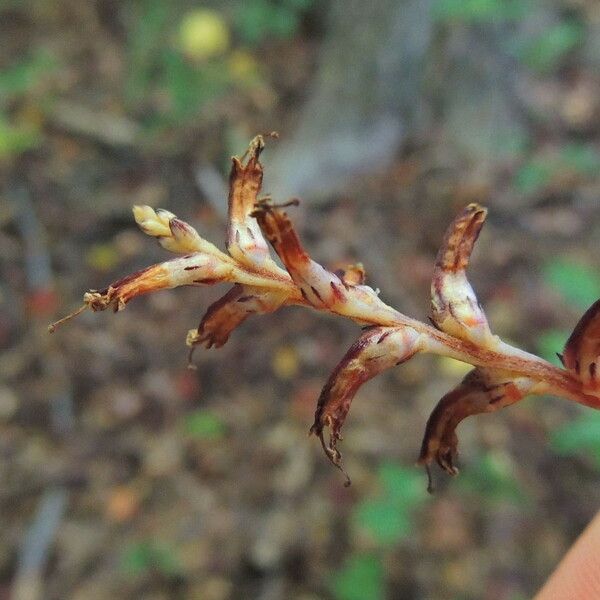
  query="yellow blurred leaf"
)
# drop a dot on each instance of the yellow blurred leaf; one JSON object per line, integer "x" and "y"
{"x": 242, "y": 66}
{"x": 285, "y": 362}
{"x": 102, "y": 257}
{"x": 203, "y": 34}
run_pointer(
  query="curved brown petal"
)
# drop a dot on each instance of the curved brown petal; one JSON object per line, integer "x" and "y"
{"x": 582, "y": 350}
{"x": 454, "y": 306}
{"x": 245, "y": 241}
{"x": 481, "y": 391}
{"x": 378, "y": 349}
{"x": 230, "y": 311}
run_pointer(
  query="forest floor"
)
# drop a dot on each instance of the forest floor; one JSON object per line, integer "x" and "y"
{"x": 203, "y": 484}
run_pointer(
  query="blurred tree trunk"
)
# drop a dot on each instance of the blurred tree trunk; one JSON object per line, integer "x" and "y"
{"x": 482, "y": 112}
{"x": 409, "y": 74}
{"x": 365, "y": 98}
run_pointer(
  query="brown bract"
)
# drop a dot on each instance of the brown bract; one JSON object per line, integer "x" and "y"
{"x": 502, "y": 375}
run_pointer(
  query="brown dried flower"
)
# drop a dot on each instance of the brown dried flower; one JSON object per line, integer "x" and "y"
{"x": 502, "y": 375}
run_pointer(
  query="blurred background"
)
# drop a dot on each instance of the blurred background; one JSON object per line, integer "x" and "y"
{"x": 125, "y": 475}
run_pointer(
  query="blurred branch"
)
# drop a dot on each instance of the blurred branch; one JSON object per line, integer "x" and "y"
{"x": 37, "y": 258}
{"x": 28, "y": 583}
{"x": 104, "y": 127}
{"x": 213, "y": 186}
{"x": 33, "y": 558}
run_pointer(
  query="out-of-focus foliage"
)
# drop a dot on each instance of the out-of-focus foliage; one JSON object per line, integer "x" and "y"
{"x": 492, "y": 479}
{"x": 30, "y": 77}
{"x": 103, "y": 257}
{"x": 580, "y": 437}
{"x": 388, "y": 517}
{"x": 175, "y": 65}
{"x": 577, "y": 283}
{"x": 553, "y": 166}
{"x": 27, "y": 75}
{"x": 285, "y": 363}
{"x": 181, "y": 60}
{"x": 551, "y": 342}
{"x": 478, "y": 11}
{"x": 149, "y": 556}
{"x": 361, "y": 578}
{"x": 546, "y": 51}
{"x": 257, "y": 20}
{"x": 17, "y": 137}
{"x": 204, "y": 424}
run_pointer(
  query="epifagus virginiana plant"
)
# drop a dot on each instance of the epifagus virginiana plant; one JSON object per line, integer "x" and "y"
{"x": 502, "y": 374}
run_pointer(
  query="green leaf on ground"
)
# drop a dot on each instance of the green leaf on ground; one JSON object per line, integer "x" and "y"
{"x": 189, "y": 86}
{"x": 402, "y": 484}
{"x": 204, "y": 425}
{"x": 545, "y": 52}
{"x": 579, "y": 436}
{"x": 385, "y": 520}
{"x": 534, "y": 176}
{"x": 25, "y": 75}
{"x": 553, "y": 164}
{"x": 361, "y": 578}
{"x": 578, "y": 283}
{"x": 493, "y": 479}
{"x": 15, "y": 139}
{"x": 149, "y": 555}
{"x": 582, "y": 159}
{"x": 389, "y": 517}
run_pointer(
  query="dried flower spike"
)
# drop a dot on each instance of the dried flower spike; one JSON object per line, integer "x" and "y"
{"x": 502, "y": 374}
